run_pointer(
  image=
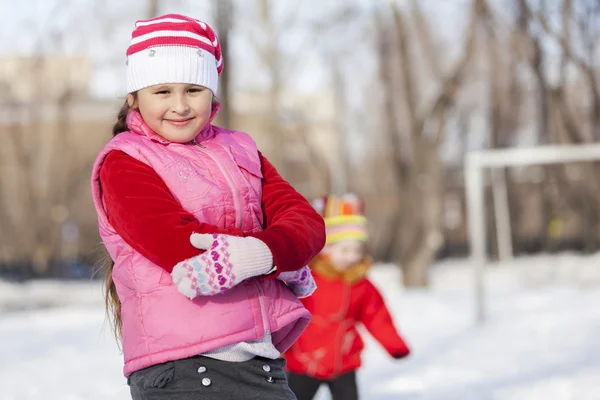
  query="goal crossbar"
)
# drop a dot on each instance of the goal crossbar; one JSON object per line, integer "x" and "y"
{"x": 497, "y": 160}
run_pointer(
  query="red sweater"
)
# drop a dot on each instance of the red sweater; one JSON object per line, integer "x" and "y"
{"x": 144, "y": 212}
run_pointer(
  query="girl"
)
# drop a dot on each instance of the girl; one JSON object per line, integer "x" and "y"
{"x": 170, "y": 185}
{"x": 329, "y": 350}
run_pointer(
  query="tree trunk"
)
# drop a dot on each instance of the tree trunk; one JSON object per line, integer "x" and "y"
{"x": 224, "y": 16}
{"x": 153, "y": 8}
{"x": 426, "y": 201}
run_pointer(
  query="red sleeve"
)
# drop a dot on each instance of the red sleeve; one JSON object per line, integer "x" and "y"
{"x": 143, "y": 211}
{"x": 378, "y": 321}
{"x": 294, "y": 231}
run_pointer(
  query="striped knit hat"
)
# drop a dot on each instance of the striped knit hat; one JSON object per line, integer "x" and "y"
{"x": 173, "y": 49}
{"x": 344, "y": 217}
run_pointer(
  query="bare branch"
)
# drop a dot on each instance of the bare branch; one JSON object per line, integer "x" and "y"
{"x": 224, "y": 19}
{"x": 562, "y": 40}
{"x": 575, "y": 134}
{"x": 424, "y": 35}
{"x": 416, "y": 124}
{"x": 153, "y": 8}
{"x": 586, "y": 68}
{"x": 454, "y": 80}
{"x": 385, "y": 53}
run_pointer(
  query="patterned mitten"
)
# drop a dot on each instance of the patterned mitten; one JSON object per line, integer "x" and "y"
{"x": 227, "y": 261}
{"x": 301, "y": 282}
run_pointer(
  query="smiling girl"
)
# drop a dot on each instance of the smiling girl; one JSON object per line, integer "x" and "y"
{"x": 209, "y": 244}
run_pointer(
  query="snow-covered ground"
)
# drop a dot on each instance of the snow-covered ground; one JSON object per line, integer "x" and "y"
{"x": 541, "y": 340}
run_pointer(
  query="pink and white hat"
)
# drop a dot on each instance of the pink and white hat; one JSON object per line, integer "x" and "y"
{"x": 173, "y": 49}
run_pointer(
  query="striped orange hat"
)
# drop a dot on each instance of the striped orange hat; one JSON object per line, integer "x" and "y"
{"x": 344, "y": 217}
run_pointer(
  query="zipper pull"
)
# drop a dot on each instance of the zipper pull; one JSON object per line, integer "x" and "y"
{"x": 194, "y": 142}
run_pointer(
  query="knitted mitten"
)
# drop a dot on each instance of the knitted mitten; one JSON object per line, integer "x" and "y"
{"x": 301, "y": 282}
{"x": 227, "y": 261}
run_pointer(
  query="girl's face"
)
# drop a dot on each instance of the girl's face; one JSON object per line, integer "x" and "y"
{"x": 176, "y": 111}
{"x": 345, "y": 253}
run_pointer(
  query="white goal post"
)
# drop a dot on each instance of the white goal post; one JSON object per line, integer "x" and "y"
{"x": 497, "y": 160}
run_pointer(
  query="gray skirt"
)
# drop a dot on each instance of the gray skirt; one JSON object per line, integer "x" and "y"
{"x": 206, "y": 378}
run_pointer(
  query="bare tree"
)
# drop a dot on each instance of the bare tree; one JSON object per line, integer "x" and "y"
{"x": 418, "y": 233}
{"x": 588, "y": 32}
{"x": 556, "y": 120}
{"x": 280, "y": 119}
{"x": 224, "y": 11}
{"x": 153, "y": 8}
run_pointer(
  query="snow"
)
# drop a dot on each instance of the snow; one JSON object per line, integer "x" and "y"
{"x": 540, "y": 340}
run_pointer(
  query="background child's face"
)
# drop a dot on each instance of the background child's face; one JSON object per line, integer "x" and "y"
{"x": 345, "y": 253}
{"x": 175, "y": 111}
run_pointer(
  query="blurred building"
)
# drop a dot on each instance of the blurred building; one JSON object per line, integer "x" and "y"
{"x": 306, "y": 128}
{"x": 27, "y": 79}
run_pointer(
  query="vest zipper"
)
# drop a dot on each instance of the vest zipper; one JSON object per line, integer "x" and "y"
{"x": 238, "y": 207}
{"x": 197, "y": 143}
{"x": 236, "y": 196}
{"x": 238, "y": 224}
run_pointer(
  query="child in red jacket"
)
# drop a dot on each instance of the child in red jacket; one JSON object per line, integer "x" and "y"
{"x": 329, "y": 350}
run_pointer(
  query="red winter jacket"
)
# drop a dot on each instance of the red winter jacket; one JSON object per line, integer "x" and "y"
{"x": 331, "y": 345}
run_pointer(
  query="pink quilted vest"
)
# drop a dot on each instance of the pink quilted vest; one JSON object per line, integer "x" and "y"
{"x": 218, "y": 180}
